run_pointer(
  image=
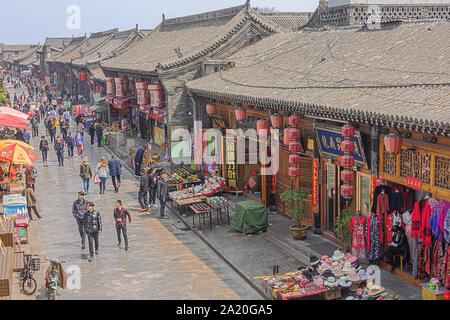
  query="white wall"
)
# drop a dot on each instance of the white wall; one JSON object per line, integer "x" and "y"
{"x": 334, "y": 3}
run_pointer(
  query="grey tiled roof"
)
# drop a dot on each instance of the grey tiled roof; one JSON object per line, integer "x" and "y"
{"x": 85, "y": 47}
{"x": 57, "y": 42}
{"x": 181, "y": 40}
{"x": 74, "y": 43}
{"x": 398, "y": 72}
{"x": 289, "y": 20}
{"x": 105, "y": 51}
{"x": 16, "y": 47}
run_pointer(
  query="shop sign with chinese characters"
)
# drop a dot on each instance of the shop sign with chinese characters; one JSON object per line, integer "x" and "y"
{"x": 415, "y": 184}
{"x": 230, "y": 166}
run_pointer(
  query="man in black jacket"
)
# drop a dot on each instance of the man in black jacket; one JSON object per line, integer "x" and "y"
{"x": 120, "y": 215}
{"x": 397, "y": 247}
{"x": 78, "y": 212}
{"x": 43, "y": 146}
{"x": 92, "y": 227}
{"x": 143, "y": 190}
{"x": 99, "y": 133}
{"x": 162, "y": 193}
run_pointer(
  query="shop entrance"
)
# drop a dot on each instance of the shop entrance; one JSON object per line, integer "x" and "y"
{"x": 331, "y": 202}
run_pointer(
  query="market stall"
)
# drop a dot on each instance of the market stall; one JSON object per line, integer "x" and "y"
{"x": 336, "y": 278}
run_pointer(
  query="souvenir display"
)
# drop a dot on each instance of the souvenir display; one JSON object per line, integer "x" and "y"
{"x": 211, "y": 186}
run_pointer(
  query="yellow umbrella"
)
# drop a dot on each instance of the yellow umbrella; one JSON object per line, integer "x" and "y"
{"x": 17, "y": 154}
{"x": 4, "y": 143}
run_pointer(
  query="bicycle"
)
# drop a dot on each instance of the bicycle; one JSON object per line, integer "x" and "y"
{"x": 31, "y": 265}
{"x": 52, "y": 281}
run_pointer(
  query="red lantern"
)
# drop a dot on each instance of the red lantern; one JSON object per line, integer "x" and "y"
{"x": 120, "y": 87}
{"x": 263, "y": 128}
{"x": 348, "y": 146}
{"x": 142, "y": 93}
{"x": 277, "y": 120}
{"x": 294, "y": 172}
{"x": 294, "y": 121}
{"x": 294, "y": 146}
{"x": 347, "y": 175}
{"x": 240, "y": 114}
{"x": 294, "y": 159}
{"x": 82, "y": 76}
{"x": 211, "y": 109}
{"x": 294, "y": 134}
{"x": 156, "y": 95}
{"x": 347, "y": 191}
{"x": 286, "y": 137}
{"x": 348, "y": 131}
{"x": 110, "y": 86}
{"x": 393, "y": 143}
{"x": 347, "y": 161}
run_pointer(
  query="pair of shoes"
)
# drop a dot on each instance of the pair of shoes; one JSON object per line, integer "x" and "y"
{"x": 83, "y": 247}
{"x": 164, "y": 217}
{"x": 90, "y": 259}
{"x": 143, "y": 210}
{"x": 97, "y": 252}
{"x": 126, "y": 248}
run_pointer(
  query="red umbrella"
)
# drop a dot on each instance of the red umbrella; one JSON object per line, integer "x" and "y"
{"x": 13, "y": 124}
{"x": 13, "y": 118}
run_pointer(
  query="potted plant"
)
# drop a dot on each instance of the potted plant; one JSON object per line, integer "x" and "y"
{"x": 342, "y": 229}
{"x": 296, "y": 199}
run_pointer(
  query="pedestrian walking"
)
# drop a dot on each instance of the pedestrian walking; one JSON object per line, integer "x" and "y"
{"x": 78, "y": 211}
{"x": 115, "y": 171}
{"x": 86, "y": 174}
{"x": 30, "y": 176}
{"x": 26, "y": 136}
{"x": 143, "y": 190}
{"x": 120, "y": 215}
{"x": 99, "y": 133}
{"x": 70, "y": 143}
{"x": 102, "y": 171}
{"x": 51, "y": 129}
{"x": 92, "y": 222}
{"x": 153, "y": 185}
{"x": 59, "y": 148}
{"x": 35, "y": 126}
{"x": 92, "y": 133}
{"x": 30, "y": 195}
{"x": 80, "y": 128}
{"x": 162, "y": 193}
{"x": 64, "y": 128}
{"x": 43, "y": 146}
{"x": 79, "y": 142}
{"x": 139, "y": 157}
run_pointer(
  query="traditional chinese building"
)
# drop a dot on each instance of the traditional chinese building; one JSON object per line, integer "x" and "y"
{"x": 178, "y": 50}
{"x": 391, "y": 80}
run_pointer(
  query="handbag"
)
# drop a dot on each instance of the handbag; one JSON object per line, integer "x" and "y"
{"x": 96, "y": 179}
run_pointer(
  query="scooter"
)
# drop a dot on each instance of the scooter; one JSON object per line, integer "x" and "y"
{"x": 51, "y": 282}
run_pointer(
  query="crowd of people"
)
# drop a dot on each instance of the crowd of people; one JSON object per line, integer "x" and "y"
{"x": 59, "y": 137}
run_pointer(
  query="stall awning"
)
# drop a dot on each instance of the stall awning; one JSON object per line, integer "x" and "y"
{"x": 98, "y": 108}
{"x": 98, "y": 100}
{"x": 158, "y": 114}
{"x": 120, "y": 103}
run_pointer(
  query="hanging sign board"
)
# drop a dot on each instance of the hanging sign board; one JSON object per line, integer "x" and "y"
{"x": 329, "y": 140}
{"x": 231, "y": 164}
{"x": 415, "y": 184}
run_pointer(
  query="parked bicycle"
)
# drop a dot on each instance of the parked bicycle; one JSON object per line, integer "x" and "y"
{"x": 31, "y": 265}
{"x": 53, "y": 279}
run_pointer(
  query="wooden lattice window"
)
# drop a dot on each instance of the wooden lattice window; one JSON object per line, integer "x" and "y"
{"x": 389, "y": 163}
{"x": 442, "y": 173}
{"x": 416, "y": 165}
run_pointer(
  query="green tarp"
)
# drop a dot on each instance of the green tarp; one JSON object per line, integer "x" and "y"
{"x": 250, "y": 217}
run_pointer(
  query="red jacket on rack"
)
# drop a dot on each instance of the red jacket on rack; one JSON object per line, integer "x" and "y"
{"x": 420, "y": 227}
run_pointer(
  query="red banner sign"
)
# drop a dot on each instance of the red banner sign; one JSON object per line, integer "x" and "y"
{"x": 315, "y": 186}
{"x": 412, "y": 183}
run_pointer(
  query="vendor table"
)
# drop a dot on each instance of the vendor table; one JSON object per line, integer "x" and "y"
{"x": 187, "y": 202}
{"x": 219, "y": 209}
{"x": 201, "y": 209}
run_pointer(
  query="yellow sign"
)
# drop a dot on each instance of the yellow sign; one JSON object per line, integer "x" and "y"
{"x": 159, "y": 136}
{"x": 311, "y": 144}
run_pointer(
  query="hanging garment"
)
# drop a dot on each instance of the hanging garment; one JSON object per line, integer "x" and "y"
{"x": 447, "y": 268}
{"x": 374, "y": 236}
{"x": 447, "y": 229}
{"x": 357, "y": 227}
{"x": 420, "y": 228}
{"x": 424, "y": 269}
{"x": 376, "y": 193}
{"x": 441, "y": 222}
{"x": 383, "y": 203}
{"x": 408, "y": 199}
{"x": 394, "y": 219}
{"x": 437, "y": 262}
{"x": 415, "y": 258}
{"x": 434, "y": 219}
{"x": 397, "y": 202}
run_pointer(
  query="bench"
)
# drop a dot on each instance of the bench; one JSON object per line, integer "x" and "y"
{"x": 7, "y": 233}
{"x": 18, "y": 262}
{"x": 6, "y": 271}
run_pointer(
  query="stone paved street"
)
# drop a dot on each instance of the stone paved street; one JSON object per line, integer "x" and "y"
{"x": 162, "y": 263}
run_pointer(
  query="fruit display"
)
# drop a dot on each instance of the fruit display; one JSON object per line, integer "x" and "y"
{"x": 210, "y": 187}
